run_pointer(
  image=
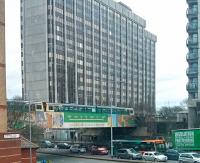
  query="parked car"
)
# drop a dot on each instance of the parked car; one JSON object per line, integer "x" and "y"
{"x": 77, "y": 149}
{"x": 127, "y": 153}
{"x": 99, "y": 150}
{"x": 154, "y": 156}
{"x": 63, "y": 146}
{"x": 82, "y": 149}
{"x": 47, "y": 144}
{"x": 74, "y": 149}
{"x": 190, "y": 157}
{"x": 172, "y": 154}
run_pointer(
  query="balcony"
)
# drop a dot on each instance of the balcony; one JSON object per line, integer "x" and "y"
{"x": 192, "y": 87}
{"x": 192, "y": 28}
{"x": 192, "y": 13}
{"x": 192, "y": 42}
{"x": 192, "y": 57}
{"x": 192, "y": 1}
{"x": 192, "y": 72}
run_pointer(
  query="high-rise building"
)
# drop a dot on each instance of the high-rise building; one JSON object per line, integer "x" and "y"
{"x": 193, "y": 60}
{"x": 90, "y": 52}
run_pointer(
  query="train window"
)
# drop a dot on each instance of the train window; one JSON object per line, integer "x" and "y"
{"x": 38, "y": 107}
{"x": 131, "y": 112}
{"x": 103, "y": 110}
{"x": 56, "y": 108}
{"x": 64, "y": 108}
{"x": 94, "y": 110}
{"x": 75, "y": 109}
{"x": 32, "y": 107}
{"x": 114, "y": 111}
{"x": 71, "y": 108}
{"x": 88, "y": 110}
{"x": 98, "y": 110}
{"x": 61, "y": 108}
{"x": 82, "y": 109}
{"x": 50, "y": 107}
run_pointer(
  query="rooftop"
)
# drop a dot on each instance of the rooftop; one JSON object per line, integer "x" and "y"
{"x": 25, "y": 143}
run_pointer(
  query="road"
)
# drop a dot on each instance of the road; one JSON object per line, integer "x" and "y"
{"x": 65, "y": 159}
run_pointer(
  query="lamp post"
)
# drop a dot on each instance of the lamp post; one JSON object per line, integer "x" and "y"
{"x": 30, "y": 131}
{"x": 111, "y": 133}
{"x": 111, "y": 128}
{"x": 29, "y": 121}
{"x": 29, "y": 102}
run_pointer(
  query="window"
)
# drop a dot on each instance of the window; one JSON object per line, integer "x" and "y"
{"x": 50, "y": 107}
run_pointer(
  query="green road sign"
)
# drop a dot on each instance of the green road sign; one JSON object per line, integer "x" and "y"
{"x": 187, "y": 139}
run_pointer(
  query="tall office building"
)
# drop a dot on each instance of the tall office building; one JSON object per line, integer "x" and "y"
{"x": 91, "y": 52}
{"x": 193, "y": 60}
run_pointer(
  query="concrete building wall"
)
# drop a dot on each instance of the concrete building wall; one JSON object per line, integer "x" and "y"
{"x": 3, "y": 110}
{"x": 193, "y": 60}
{"x": 35, "y": 65}
{"x": 95, "y": 54}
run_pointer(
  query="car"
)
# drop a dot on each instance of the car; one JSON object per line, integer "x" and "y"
{"x": 172, "y": 154}
{"x": 128, "y": 153}
{"x": 74, "y": 149}
{"x": 154, "y": 156}
{"x": 190, "y": 157}
{"x": 99, "y": 150}
{"x": 47, "y": 144}
{"x": 77, "y": 149}
{"x": 63, "y": 146}
{"x": 82, "y": 149}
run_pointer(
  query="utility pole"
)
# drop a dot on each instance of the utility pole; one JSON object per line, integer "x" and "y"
{"x": 111, "y": 133}
{"x": 30, "y": 131}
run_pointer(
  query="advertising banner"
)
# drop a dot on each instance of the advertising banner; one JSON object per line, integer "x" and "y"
{"x": 41, "y": 119}
{"x": 82, "y": 120}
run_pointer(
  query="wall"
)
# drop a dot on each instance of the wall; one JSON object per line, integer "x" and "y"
{"x": 10, "y": 150}
{"x": 26, "y": 156}
{"x": 35, "y": 50}
{"x": 3, "y": 110}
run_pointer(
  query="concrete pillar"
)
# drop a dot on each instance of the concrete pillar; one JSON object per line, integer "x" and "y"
{"x": 192, "y": 117}
{"x": 3, "y": 107}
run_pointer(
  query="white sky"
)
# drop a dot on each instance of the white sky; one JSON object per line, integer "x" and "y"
{"x": 165, "y": 18}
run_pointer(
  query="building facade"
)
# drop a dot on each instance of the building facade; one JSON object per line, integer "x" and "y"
{"x": 9, "y": 142}
{"x": 3, "y": 108}
{"x": 193, "y": 60}
{"x": 89, "y": 52}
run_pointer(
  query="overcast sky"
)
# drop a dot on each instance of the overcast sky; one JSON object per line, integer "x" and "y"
{"x": 165, "y": 18}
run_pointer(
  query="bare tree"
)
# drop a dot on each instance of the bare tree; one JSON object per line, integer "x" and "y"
{"x": 169, "y": 111}
{"x": 18, "y": 119}
{"x": 17, "y": 113}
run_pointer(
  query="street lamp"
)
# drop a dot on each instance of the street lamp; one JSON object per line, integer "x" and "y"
{"x": 111, "y": 133}
{"x": 111, "y": 128}
{"x": 30, "y": 131}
